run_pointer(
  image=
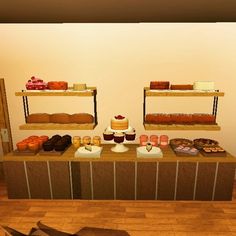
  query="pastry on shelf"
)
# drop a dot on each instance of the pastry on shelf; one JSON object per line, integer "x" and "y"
{"x": 57, "y": 85}
{"x": 61, "y": 118}
{"x": 159, "y": 85}
{"x": 201, "y": 143}
{"x": 158, "y": 118}
{"x": 38, "y": 118}
{"x": 79, "y": 87}
{"x": 36, "y": 84}
{"x": 204, "y": 85}
{"x": 179, "y": 118}
{"x": 201, "y": 118}
{"x": 181, "y": 87}
{"x": 119, "y": 122}
{"x": 81, "y": 118}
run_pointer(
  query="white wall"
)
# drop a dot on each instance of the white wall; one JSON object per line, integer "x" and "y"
{"x": 120, "y": 59}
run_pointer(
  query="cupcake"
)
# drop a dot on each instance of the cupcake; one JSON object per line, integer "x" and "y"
{"x": 108, "y": 136}
{"x": 119, "y": 137}
{"x": 130, "y": 136}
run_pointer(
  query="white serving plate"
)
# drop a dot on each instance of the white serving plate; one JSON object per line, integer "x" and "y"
{"x": 82, "y": 152}
{"x": 154, "y": 153}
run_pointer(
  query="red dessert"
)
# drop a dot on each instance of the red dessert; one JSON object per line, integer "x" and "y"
{"x": 57, "y": 85}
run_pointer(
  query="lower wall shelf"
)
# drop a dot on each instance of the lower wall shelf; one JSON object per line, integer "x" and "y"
{"x": 52, "y": 126}
{"x": 180, "y": 127}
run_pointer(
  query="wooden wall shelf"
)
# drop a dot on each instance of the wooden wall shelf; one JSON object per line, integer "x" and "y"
{"x": 87, "y": 93}
{"x": 52, "y": 126}
{"x": 180, "y": 93}
{"x": 181, "y": 127}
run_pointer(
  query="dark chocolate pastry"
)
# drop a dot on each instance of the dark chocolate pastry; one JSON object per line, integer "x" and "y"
{"x": 48, "y": 146}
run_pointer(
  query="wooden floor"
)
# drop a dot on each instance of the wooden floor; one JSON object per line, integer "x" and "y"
{"x": 139, "y": 218}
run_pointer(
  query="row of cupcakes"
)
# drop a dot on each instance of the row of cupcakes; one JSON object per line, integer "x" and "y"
{"x": 119, "y": 137}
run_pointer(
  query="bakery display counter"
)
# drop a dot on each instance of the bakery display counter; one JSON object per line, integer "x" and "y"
{"x": 120, "y": 176}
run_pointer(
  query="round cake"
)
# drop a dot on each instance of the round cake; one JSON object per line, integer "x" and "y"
{"x": 119, "y": 123}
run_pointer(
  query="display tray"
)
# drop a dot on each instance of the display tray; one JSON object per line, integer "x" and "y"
{"x": 183, "y": 154}
{"x": 213, "y": 154}
{"x": 24, "y": 153}
{"x": 52, "y": 153}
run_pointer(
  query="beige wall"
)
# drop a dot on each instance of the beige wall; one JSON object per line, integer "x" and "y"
{"x": 120, "y": 59}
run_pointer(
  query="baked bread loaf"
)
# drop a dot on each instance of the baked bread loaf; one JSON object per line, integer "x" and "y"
{"x": 181, "y": 87}
{"x": 57, "y": 85}
{"x": 204, "y": 118}
{"x": 81, "y": 118}
{"x": 158, "y": 118}
{"x": 159, "y": 85}
{"x": 61, "y": 118}
{"x": 181, "y": 118}
{"x": 38, "y": 118}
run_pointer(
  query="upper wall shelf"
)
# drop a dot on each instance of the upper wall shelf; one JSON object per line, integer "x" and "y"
{"x": 181, "y": 93}
{"x": 89, "y": 92}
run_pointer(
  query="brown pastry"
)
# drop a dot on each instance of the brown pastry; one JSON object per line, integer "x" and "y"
{"x": 159, "y": 85}
{"x": 61, "y": 118}
{"x": 199, "y": 118}
{"x": 81, "y": 118}
{"x": 38, "y": 118}
{"x": 181, "y": 87}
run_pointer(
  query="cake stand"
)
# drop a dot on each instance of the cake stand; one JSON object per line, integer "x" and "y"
{"x": 119, "y": 147}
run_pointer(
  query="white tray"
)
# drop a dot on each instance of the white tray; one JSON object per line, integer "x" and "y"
{"x": 82, "y": 152}
{"x": 154, "y": 153}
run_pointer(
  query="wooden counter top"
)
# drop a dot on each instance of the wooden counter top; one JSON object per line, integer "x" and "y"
{"x": 108, "y": 155}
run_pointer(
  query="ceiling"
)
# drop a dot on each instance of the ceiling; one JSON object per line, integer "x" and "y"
{"x": 116, "y": 11}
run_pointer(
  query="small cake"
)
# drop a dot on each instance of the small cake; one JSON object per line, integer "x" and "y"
{"x": 79, "y": 87}
{"x": 36, "y": 84}
{"x": 119, "y": 137}
{"x": 108, "y": 136}
{"x": 181, "y": 87}
{"x": 130, "y": 136}
{"x": 119, "y": 123}
{"x": 57, "y": 85}
{"x": 186, "y": 150}
{"x": 159, "y": 85}
{"x": 204, "y": 85}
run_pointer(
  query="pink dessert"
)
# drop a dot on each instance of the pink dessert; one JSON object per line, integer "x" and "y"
{"x": 36, "y": 84}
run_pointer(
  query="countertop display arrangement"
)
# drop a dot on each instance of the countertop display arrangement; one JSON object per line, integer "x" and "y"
{"x": 57, "y": 121}
{"x": 124, "y": 175}
{"x": 181, "y": 121}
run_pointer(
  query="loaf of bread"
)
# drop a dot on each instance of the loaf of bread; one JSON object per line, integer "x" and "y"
{"x": 38, "y": 118}
{"x": 81, "y": 118}
{"x": 158, "y": 118}
{"x": 61, "y": 118}
{"x": 159, "y": 85}
{"x": 180, "y": 118}
{"x": 199, "y": 118}
{"x": 181, "y": 87}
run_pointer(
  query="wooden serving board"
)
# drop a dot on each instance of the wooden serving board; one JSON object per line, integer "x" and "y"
{"x": 24, "y": 153}
{"x": 213, "y": 154}
{"x": 52, "y": 153}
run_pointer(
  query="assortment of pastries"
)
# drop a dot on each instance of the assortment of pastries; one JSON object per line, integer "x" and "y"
{"x": 61, "y": 118}
{"x": 38, "y": 84}
{"x": 180, "y": 118}
{"x": 197, "y": 85}
{"x": 57, "y": 143}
